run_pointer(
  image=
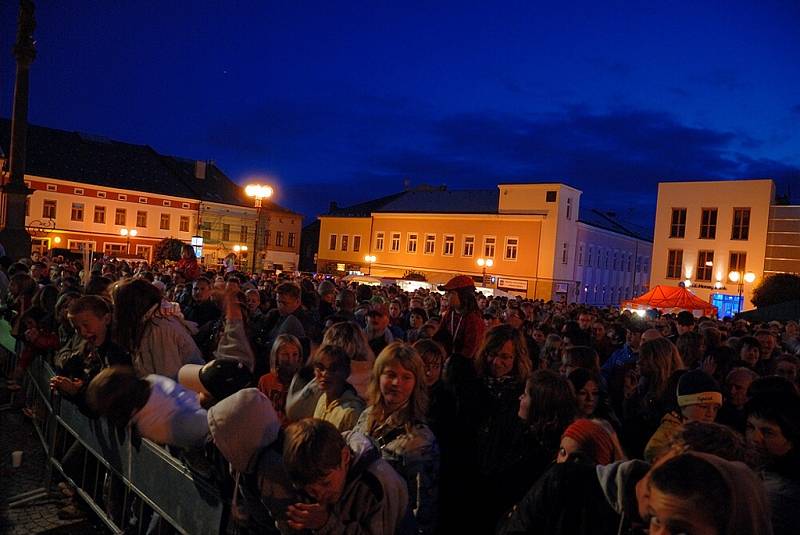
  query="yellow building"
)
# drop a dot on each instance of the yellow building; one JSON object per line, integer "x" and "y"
{"x": 90, "y": 192}
{"x": 528, "y": 232}
{"x": 704, "y": 231}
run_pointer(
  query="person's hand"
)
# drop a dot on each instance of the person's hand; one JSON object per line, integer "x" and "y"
{"x": 709, "y": 365}
{"x": 307, "y": 516}
{"x": 66, "y": 385}
{"x": 630, "y": 383}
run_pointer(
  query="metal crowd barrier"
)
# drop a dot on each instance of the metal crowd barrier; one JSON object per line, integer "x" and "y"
{"x": 132, "y": 484}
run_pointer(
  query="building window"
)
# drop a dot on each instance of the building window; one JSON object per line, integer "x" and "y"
{"x": 345, "y": 241}
{"x": 512, "y": 245}
{"x": 488, "y": 246}
{"x": 430, "y": 243}
{"x": 737, "y": 261}
{"x": 99, "y": 214}
{"x": 630, "y": 258}
{"x": 78, "y": 191}
{"x": 164, "y": 223}
{"x": 708, "y": 224}
{"x": 469, "y": 246}
{"x": 291, "y": 241}
{"x": 395, "y": 245}
{"x": 166, "y": 203}
{"x": 741, "y": 224}
{"x": 243, "y": 233}
{"x": 332, "y": 242}
{"x": 226, "y": 232}
{"x": 580, "y": 255}
{"x": 449, "y": 245}
{"x": 52, "y": 187}
{"x": 101, "y": 194}
{"x": 77, "y": 212}
{"x": 184, "y": 223}
{"x": 550, "y": 196}
{"x": 49, "y": 209}
{"x": 122, "y": 197}
{"x": 141, "y": 219}
{"x": 564, "y": 253}
{"x": 615, "y": 264}
{"x": 268, "y": 235}
{"x": 142, "y": 200}
{"x": 379, "y": 241}
{"x": 589, "y": 258}
{"x": 569, "y": 208}
{"x": 279, "y": 239}
{"x": 356, "y": 242}
{"x": 674, "y": 263}
{"x": 120, "y": 217}
{"x": 411, "y": 246}
{"x": 185, "y": 205}
{"x": 705, "y": 265}
{"x": 677, "y": 227}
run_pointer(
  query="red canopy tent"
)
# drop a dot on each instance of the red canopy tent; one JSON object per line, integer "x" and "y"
{"x": 671, "y": 299}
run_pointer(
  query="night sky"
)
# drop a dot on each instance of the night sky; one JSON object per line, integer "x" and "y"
{"x": 345, "y": 100}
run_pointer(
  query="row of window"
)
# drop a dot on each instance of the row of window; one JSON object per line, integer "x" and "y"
{"x": 597, "y": 294}
{"x": 77, "y": 213}
{"x": 104, "y": 195}
{"x": 291, "y": 237}
{"x": 448, "y": 248}
{"x": 740, "y": 227}
{"x": 611, "y": 260}
{"x": 704, "y": 271}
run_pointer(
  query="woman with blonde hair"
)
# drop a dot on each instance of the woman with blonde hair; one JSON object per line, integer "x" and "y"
{"x": 647, "y": 393}
{"x": 395, "y": 419}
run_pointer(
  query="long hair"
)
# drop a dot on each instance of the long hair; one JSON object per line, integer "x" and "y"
{"x": 280, "y": 341}
{"x": 658, "y": 360}
{"x": 552, "y": 406}
{"x": 466, "y": 297}
{"x": 582, "y": 357}
{"x": 132, "y": 301}
{"x": 493, "y": 341}
{"x": 417, "y": 406}
{"x": 351, "y": 338}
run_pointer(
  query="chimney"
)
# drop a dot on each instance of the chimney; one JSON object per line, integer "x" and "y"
{"x": 200, "y": 169}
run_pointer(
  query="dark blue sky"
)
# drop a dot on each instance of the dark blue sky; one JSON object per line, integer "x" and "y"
{"x": 344, "y": 100}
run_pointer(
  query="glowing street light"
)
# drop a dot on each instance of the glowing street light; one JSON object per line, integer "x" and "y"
{"x": 485, "y": 263}
{"x": 370, "y": 259}
{"x": 128, "y": 233}
{"x": 740, "y": 278}
{"x": 259, "y": 192}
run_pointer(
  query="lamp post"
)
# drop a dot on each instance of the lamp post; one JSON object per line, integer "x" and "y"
{"x": 258, "y": 192}
{"x": 740, "y": 278}
{"x": 370, "y": 259}
{"x": 485, "y": 263}
{"x": 128, "y": 234}
{"x": 239, "y": 249}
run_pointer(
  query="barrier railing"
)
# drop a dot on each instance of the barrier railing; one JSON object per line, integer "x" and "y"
{"x": 132, "y": 484}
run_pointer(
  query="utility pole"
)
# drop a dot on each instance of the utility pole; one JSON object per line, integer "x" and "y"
{"x": 13, "y": 236}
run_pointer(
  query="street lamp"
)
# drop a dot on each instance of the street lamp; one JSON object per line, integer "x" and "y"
{"x": 128, "y": 234}
{"x": 740, "y": 278}
{"x": 258, "y": 192}
{"x": 370, "y": 259}
{"x": 485, "y": 263}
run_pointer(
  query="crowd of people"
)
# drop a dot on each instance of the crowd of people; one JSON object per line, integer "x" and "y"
{"x": 344, "y": 408}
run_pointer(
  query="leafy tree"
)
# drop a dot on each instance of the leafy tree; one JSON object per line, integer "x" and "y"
{"x": 168, "y": 249}
{"x": 777, "y": 288}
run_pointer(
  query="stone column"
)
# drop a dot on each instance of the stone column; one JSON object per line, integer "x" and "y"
{"x": 13, "y": 236}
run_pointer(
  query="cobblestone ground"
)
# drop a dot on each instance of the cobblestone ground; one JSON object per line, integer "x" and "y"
{"x": 39, "y": 515}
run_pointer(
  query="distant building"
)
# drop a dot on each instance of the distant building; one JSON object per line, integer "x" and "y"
{"x": 706, "y": 230}
{"x": 538, "y": 244}
{"x": 87, "y": 189}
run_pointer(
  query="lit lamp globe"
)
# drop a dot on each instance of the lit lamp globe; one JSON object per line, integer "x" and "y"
{"x": 734, "y": 276}
{"x": 258, "y": 191}
{"x": 749, "y": 277}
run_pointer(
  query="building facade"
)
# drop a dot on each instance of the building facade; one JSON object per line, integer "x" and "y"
{"x": 531, "y": 233}
{"x": 90, "y": 192}
{"x": 721, "y": 238}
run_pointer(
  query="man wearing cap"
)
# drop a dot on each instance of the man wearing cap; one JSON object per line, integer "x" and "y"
{"x": 462, "y": 324}
{"x": 378, "y": 333}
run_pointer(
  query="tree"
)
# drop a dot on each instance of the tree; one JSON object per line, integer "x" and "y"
{"x": 777, "y": 288}
{"x": 168, "y": 249}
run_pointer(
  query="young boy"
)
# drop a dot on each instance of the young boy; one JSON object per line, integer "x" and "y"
{"x": 350, "y": 487}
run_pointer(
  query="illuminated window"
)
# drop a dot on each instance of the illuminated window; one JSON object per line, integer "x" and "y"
{"x": 708, "y": 224}
{"x": 677, "y": 228}
{"x": 705, "y": 265}
{"x": 469, "y": 246}
{"x": 674, "y": 263}
{"x": 741, "y": 224}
